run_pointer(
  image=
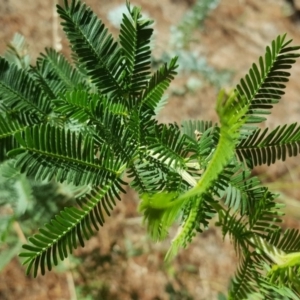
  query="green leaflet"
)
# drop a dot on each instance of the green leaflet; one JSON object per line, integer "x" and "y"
{"x": 159, "y": 217}
{"x": 161, "y": 209}
{"x": 69, "y": 228}
{"x": 185, "y": 231}
{"x": 231, "y": 114}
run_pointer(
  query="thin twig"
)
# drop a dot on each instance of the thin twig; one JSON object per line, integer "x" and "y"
{"x": 71, "y": 285}
{"x": 19, "y": 232}
{"x": 55, "y": 27}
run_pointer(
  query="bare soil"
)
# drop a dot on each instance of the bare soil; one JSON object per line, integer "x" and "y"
{"x": 120, "y": 262}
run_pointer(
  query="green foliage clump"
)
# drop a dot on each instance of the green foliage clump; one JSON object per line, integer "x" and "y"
{"x": 93, "y": 124}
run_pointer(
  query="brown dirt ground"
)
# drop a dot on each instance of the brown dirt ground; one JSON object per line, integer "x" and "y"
{"x": 120, "y": 262}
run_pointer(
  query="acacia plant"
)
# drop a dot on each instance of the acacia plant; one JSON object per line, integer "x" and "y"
{"x": 93, "y": 124}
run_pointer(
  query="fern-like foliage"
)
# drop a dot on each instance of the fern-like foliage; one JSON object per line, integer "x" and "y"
{"x": 8, "y": 127}
{"x": 95, "y": 49}
{"x": 262, "y": 148}
{"x": 50, "y": 151}
{"x": 264, "y": 85}
{"x": 135, "y": 39}
{"x": 54, "y": 73}
{"x": 20, "y": 92}
{"x": 93, "y": 124}
{"x": 66, "y": 230}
